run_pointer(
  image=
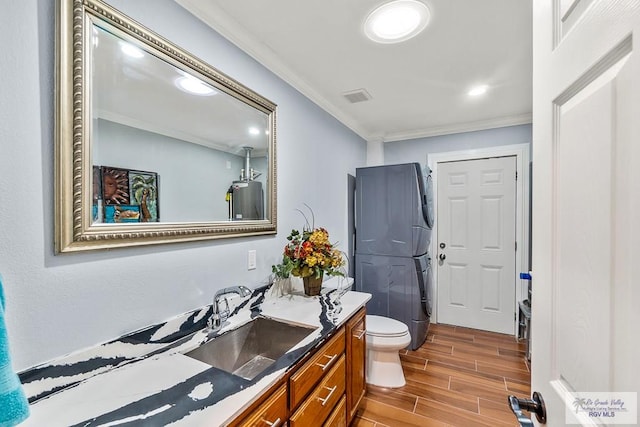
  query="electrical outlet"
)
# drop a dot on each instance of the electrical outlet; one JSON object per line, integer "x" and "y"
{"x": 251, "y": 260}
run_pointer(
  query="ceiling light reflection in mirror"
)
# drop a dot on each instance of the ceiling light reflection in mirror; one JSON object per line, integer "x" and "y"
{"x": 194, "y": 86}
{"x": 130, "y": 50}
{"x": 478, "y": 90}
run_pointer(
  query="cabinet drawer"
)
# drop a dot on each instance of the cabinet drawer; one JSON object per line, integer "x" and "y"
{"x": 320, "y": 403}
{"x": 339, "y": 416}
{"x": 305, "y": 378}
{"x": 273, "y": 412}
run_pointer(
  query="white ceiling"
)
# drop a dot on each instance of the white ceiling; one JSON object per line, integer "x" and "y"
{"x": 418, "y": 87}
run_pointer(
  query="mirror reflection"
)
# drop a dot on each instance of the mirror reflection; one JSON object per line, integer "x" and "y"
{"x": 153, "y": 145}
{"x": 168, "y": 146}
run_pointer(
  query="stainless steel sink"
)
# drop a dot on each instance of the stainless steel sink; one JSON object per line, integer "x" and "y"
{"x": 251, "y": 348}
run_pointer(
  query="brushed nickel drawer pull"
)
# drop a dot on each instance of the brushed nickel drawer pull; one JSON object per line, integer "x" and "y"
{"x": 331, "y": 390}
{"x": 276, "y": 423}
{"x": 359, "y": 337}
{"x": 331, "y": 359}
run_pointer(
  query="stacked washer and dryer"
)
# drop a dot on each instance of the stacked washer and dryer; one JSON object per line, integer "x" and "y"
{"x": 394, "y": 220}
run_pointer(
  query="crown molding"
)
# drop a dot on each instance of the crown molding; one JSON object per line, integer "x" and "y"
{"x": 520, "y": 119}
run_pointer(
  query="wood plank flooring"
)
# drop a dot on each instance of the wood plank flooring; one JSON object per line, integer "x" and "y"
{"x": 459, "y": 377}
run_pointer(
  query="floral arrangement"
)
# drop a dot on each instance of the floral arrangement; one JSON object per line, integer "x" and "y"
{"x": 309, "y": 254}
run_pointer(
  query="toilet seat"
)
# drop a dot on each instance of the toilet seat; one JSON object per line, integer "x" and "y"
{"x": 379, "y": 326}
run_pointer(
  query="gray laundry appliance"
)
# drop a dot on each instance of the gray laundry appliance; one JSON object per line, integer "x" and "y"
{"x": 394, "y": 220}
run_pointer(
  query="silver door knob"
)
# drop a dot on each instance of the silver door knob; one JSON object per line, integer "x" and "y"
{"x": 442, "y": 257}
{"x": 535, "y": 406}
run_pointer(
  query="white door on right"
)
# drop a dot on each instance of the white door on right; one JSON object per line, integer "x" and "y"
{"x": 586, "y": 210}
{"x": 476, "y": 243}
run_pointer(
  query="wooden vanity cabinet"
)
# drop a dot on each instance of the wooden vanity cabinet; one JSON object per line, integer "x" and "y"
{"x": 316, "y": 408}
{"x": 306, "y": 377}
{"x": 338, "y": 417}
{"x": 325, "y": 389}
{"x": 355, "y": 330}
{"x": 272, "y": 412}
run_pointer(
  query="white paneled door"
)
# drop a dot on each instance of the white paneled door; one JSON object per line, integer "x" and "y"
{"x": 586, "y": 205}
{"x": 476, "y": 243}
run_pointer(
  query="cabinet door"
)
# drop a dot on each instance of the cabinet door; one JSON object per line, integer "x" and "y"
{"x": 272, "y": 412}
{"x": 356, "y": 353}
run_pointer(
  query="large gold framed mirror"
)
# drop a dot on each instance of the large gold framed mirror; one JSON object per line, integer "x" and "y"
{"x": 153, "y": 145}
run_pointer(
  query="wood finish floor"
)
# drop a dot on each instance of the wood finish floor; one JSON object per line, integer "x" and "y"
{"x": 459, "y": 377}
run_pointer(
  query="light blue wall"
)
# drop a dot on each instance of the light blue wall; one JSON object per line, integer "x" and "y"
{"x": 416, "y": 150}
{"x": 61, "y": 303}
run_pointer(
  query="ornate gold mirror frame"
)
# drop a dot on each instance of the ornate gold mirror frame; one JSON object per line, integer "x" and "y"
{"x": 76, "y": 228}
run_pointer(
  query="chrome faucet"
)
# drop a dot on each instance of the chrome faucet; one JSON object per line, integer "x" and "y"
{"x": 218, "y": 317}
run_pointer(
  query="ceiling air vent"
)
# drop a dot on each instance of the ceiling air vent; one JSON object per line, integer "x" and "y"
{"x": 358, "y": 95}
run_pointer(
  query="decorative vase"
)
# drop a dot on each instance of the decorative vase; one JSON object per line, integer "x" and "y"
{"x": 312, "y": 285}
{"x": 281, "y": 287}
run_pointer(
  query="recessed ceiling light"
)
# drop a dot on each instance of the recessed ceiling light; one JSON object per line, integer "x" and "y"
{"x": 194, "y": 85}
{"x": 478, "y": 90}
{"x": 254, "y": 131}
{"x": 397, "y": 21}
{"x": 131, "y": 50}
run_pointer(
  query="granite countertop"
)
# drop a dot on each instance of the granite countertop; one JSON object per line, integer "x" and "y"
{"x": 144, "y": 376}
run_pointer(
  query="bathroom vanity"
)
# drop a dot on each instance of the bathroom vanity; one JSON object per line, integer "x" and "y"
{"x": 328, "y": 384}
{"x": 149, "y": 378}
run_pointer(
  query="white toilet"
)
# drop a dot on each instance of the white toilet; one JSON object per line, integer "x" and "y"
{"x": 385, "y": 337}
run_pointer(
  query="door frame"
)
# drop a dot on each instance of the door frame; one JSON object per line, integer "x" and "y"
{"x": 522, "y": 155}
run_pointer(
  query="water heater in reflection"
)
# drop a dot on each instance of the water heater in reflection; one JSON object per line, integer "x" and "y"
{"x": 247, "y": 200}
